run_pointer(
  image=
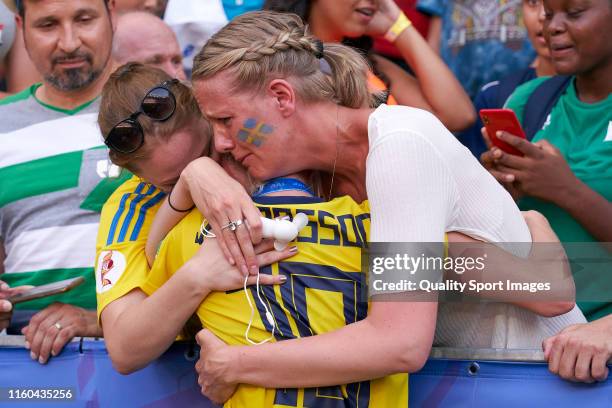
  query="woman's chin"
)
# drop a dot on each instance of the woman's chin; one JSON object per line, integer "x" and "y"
{"x": 564, "y": 67}
{"x": 257, "y": 173}
{"x": 262, "y": 174}
{"x": 355, "y": 30}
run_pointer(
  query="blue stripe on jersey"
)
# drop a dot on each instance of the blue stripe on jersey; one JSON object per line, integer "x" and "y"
{"x": 361, "y": 229}
{"x": 358, "y": 394}
{"x": 143, "y": 212}
{"x": 301, "y": 276}
{"x": 128, "y": 218}
{"x": 326, "y": 397}
{"x": 283, "y": 329}
{"x": 306, "y": 275}
{"x": 117, "y": 216}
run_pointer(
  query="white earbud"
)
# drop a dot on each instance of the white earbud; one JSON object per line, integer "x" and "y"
{"x": 282, "y": 230}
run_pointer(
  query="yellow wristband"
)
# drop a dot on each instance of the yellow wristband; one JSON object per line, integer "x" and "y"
{"x": 398, "y": 27}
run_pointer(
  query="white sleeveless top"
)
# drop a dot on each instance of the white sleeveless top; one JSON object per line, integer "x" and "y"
{"x": 421, "y": 183}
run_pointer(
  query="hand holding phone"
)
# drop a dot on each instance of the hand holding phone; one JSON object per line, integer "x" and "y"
{"x": 50, "y": 289}
{"x": 505, "y": 120}
{"x": 7, "y": 292}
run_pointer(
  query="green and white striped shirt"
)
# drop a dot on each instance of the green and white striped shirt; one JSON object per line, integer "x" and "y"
{"x": 54, "y": 178}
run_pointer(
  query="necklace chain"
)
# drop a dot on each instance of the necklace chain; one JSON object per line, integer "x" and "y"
{"x": 331, "y": 184}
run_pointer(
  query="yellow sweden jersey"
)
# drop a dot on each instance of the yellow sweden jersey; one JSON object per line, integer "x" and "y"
{"x": 126, "y": 218}
{"x": 323, "y": 292}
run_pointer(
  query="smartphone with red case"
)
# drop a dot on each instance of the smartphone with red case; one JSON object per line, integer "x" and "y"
{"x": 496, "y": 120}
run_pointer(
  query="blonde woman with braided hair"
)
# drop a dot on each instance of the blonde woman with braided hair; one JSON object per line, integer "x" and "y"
{"x": 280, "y": 102}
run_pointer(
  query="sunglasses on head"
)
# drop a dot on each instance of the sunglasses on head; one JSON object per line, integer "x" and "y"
{"x": 158, "y": 104}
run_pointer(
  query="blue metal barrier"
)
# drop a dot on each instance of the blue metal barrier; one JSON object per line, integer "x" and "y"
{"x": 85, "y": 369}
{"x": 466, "y": 379}
{"x": 485, "y": 384}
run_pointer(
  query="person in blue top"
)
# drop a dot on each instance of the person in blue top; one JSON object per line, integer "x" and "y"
{"x": 480, "y": 40}
{"x": 494, "y": 94}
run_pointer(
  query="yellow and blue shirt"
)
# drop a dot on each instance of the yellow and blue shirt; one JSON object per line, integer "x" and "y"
{"x": 121, "y": 264}
{"x": 324, "y": 291}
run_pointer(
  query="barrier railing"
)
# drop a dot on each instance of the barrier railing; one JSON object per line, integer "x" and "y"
{"x": 451, "y": 378}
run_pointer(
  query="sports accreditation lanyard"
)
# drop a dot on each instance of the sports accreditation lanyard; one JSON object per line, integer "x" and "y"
{"x": 282, "y": 184}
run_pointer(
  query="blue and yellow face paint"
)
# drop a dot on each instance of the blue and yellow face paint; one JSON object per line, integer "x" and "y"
{"x": 254, "y": 132}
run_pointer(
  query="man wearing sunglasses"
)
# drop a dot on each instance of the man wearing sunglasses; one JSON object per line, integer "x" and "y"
{"x": 54, "y": 169}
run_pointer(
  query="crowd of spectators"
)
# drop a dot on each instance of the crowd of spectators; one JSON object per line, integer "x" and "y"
{"x": 69, "y": 69}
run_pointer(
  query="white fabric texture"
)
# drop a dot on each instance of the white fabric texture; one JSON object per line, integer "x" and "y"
{"x": 421, "y": 183}
{"x": 69, "y": 133}
{"x": 194, "y": 22}
{"x": 60, "y": 247}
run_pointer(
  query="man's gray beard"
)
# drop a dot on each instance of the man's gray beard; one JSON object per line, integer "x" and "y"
{"x": 72, "y": 79}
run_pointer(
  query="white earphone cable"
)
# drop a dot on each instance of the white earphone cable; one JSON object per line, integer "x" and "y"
{"x": 269, "y": 316}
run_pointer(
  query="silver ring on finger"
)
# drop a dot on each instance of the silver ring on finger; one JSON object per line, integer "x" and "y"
{"x": 58, "y": 326}
{"x": 232, "y": 225}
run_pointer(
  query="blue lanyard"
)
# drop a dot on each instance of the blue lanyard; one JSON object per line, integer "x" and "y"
{"x": 281, "y": 184}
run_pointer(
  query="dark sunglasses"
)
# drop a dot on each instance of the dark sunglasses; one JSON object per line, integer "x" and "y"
{"x": 158, "y": 104}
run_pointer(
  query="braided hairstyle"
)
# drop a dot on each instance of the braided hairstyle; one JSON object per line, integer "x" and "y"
{"x": 263, "y": 45}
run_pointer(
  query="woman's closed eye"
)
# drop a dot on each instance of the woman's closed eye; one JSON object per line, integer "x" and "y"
{"x": 225, "y": 121}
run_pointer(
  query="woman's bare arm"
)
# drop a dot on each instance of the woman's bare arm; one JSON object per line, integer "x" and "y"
{"x": 436, "y": 88}
{"x": 395, "y": 337}
{"x": 132, "y": 319}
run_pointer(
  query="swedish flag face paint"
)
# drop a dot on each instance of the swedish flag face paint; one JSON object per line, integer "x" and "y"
{"x": 254, "y": 132}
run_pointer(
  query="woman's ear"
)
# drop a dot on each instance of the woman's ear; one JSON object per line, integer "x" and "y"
{"x": 284, "y": 95}
{"x": 112, "y": 13}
